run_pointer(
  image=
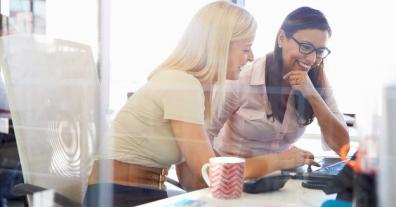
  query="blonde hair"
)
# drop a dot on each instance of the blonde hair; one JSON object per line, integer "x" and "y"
{"x": 204, "y": 47}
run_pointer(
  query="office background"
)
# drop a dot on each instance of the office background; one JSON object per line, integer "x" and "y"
{"x": 132, "y": 37}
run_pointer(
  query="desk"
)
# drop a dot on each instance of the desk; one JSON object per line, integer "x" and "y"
{"x": 293, "y": 194}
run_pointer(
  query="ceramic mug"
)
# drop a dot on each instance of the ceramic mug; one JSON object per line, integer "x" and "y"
{"x": 224, "y": 176}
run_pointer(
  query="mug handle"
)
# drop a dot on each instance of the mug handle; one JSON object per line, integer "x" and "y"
{"x": 205, "y": 173}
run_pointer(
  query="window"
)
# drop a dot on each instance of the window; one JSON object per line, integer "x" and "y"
{"x": 362, "y": 46}
{"x": 142, "y": 36}
{"x": 73, "y": 20}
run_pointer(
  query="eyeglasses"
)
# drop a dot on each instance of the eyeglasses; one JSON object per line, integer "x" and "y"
{"x": 308, "y": 48}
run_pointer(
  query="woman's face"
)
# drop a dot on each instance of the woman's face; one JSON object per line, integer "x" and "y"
{"x": 293, "y": 59}
{"x": 239, "y": 54}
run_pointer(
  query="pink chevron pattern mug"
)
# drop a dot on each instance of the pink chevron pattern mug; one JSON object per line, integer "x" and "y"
{"x": 224, "y": 176}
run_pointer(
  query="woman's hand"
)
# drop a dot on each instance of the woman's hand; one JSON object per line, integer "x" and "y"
{"x": 299, "y": 80}
{"x": 185, "y": 176}
{"x": 295, "y": 157}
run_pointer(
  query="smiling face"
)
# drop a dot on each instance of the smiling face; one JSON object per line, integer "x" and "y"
{"x": 239, "y": 54}
{"x": 293, "y": 59}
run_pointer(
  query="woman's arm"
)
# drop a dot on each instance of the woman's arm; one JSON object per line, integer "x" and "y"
{"x": 334, "y": 132}
{"x": 196, "y": 149}
{"x": 264, "y": 164}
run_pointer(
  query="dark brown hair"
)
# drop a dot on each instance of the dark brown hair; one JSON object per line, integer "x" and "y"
{"x": 299, "y": 19}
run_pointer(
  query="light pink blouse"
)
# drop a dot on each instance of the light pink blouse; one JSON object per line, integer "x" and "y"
{"x": 242, "y": 128}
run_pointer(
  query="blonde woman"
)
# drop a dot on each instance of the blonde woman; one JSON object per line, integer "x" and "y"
{"x": 163, "y": 122}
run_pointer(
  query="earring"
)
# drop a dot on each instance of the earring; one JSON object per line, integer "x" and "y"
{"x": 279, "y": 45}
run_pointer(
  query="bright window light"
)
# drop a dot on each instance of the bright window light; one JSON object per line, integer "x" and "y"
{"x": 362, "y": 45}
{"x": 143, "y": 33}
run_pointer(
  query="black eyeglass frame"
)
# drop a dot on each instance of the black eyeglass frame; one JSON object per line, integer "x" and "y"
{"x": 313, "y": 48}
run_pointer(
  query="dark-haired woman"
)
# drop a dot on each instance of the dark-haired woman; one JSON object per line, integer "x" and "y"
{"x": 276, "y": 97}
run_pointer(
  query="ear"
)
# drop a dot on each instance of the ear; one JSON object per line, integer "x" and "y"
{"x": 280, "y": 38}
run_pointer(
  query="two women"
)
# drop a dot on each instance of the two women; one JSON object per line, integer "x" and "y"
{"x": 266, "y": 110}
{"x": 163, "y": 122}
{"x": 276, "y": 97}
